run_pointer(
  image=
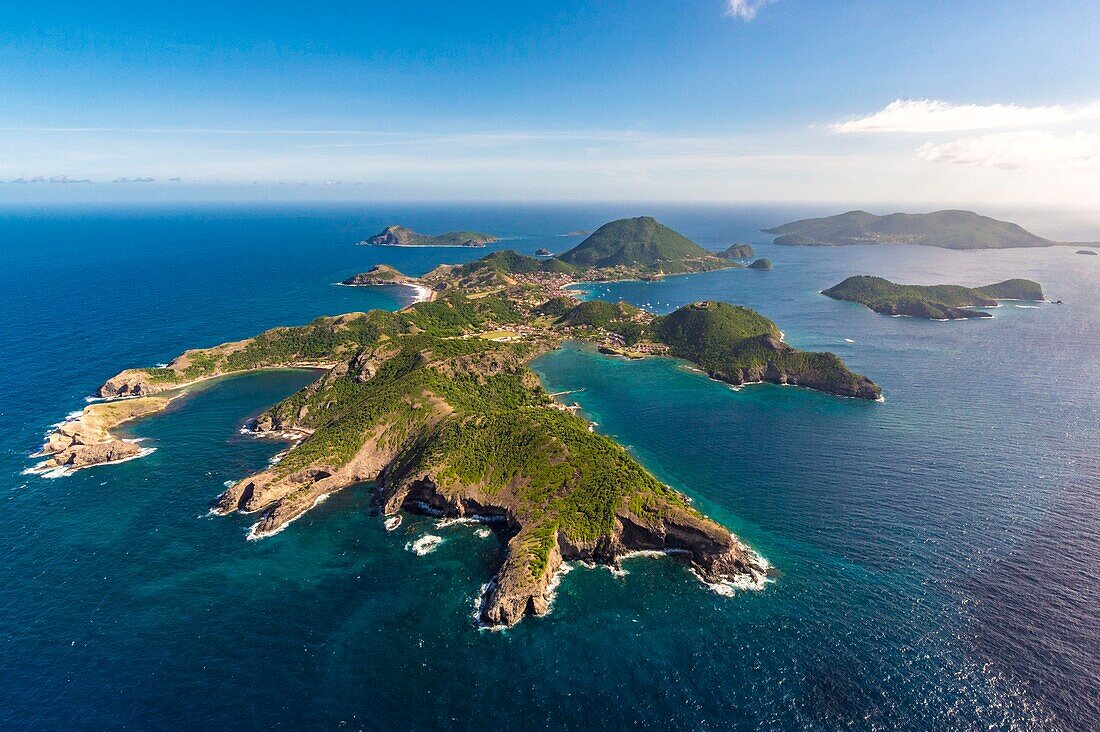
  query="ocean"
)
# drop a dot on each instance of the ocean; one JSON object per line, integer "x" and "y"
{"x": 937, "y": 553}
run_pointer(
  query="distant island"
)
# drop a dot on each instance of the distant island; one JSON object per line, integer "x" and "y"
{"x": 543, "y": 252}
{"x": 762, "y": 263}
{"x": 577, "y": 232}
{"x": 399, "y": 236}
{"x": 934, "y": 302}
{"x": 738, "y": 251}
{"x": 946, "y": 229}
{"x": 1086, "y": 251}
{"x": 437, "y": 406}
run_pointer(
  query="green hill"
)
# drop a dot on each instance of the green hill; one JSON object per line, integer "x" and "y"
{"x": 507, "y": 261}
{"x": 946, "y": 229}
{"x": 641, "y": 242}
{"x": 936, "y": 302}
{"x": 598, "y": 314}
{"x": 739, "y": 346}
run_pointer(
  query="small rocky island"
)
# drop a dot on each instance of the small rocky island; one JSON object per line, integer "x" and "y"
{"x": 543, "y": 252}
{"x": 1087, "y": 251}
{"x": 762, "y": 263}
{"x": 399, "y": 236}
{"x": 437, "y": 407}
{"x": 946, "y": 229}
{"x": 934, "y": 302}
{"x": 381, "y": 274}
{"x": 738, "y": 251}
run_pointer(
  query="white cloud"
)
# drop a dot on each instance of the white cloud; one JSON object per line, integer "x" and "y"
{"x": 1025, "y": 150}
{"x": 745, "y": 9}
{"x": 929, "y": 115}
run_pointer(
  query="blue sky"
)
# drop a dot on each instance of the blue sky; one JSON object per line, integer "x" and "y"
{"x": 726, "y": 100}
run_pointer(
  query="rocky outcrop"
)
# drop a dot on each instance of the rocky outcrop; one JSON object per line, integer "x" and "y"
{"x": 132, "y": 382}
{"x": 738, "y": 251}
{"x": 381, "y": 274}
{"x": 761, "y": 264}
{"x": 1086, "y": 251}
{"x": 86, "y": 439}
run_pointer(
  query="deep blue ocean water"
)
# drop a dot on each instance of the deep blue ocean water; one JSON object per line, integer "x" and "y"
{"x": 938, "y": 553}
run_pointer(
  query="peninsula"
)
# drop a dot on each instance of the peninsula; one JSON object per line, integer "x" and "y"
{"x": 436, "y": 406}
{"x": 946, "y": 229}
{"x": 399, "y": 236}
{"x": 935, "y": 302}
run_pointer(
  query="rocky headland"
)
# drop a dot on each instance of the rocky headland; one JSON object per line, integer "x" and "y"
{"x": 86, "y": 438}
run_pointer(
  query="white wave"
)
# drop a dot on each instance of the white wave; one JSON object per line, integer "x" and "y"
{"x": 392, "y": 522}
{"x": 479, "y": 605}
{"x": 44, "y": 470}
{"x": 229, "y": 484}
{"x": 254, "y": 535}
{"x": 425, "y": 508}
{"x": 421, "y": 293}
{"x": 424, "y": 545}
{"x": 474, "y": 518}
{"x": 848, "y": 340}
{"x": 1028, "y": 307}
{"x": 483, "y": 533}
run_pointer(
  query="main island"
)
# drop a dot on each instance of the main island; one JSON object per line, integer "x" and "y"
{"x": 437, "y": 407}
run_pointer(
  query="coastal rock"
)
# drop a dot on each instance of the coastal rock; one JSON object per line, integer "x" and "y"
{"x": 132, "y": 382}
{"x": 381, "y": 274}
{"x": 87, "y": 439}
{"x": 1087, "y": 251}
{"x": 761, "y": 264}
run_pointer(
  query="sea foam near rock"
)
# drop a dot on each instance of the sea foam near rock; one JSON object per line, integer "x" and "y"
{"x": 424, "y": 545}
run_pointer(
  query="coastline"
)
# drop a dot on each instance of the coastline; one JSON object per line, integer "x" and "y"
{"x": 420, "y": 292}
{"x": 88, "y": 434}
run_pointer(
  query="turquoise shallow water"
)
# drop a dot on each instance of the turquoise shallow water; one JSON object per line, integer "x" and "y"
{"x": 937, "y": 552}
